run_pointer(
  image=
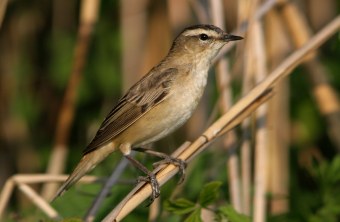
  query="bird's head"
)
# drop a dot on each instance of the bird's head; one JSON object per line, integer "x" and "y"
{"x": 202, "y": 40}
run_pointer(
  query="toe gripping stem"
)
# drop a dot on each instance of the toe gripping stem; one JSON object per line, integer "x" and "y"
{"x": 166, "y": 159}
{"x": 149, "y": 178}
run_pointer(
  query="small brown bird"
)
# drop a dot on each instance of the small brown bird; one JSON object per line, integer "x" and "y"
{"x": 159, "y": 103}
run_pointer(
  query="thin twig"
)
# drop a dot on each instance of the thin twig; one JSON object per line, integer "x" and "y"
{"x": 92, "y": 211}
{"x": 142, "y": 190}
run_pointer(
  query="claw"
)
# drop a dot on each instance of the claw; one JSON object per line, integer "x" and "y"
{"x": 151, "y": 179}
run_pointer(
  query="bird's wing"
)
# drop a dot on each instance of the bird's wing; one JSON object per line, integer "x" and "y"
{"x": 145, "y": 94}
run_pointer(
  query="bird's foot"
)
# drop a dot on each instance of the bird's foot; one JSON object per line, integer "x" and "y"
{"x": 181, "y": 164}
{"x": 149, "y": 178}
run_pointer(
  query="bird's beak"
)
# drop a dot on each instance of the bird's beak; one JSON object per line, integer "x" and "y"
{"x": 228, "y": 37}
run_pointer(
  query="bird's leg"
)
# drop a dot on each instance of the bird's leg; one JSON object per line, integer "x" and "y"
{"x": 181, "y": 164}
{"x": 150, "y": 178}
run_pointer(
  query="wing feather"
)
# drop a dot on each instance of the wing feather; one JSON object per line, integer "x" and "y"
{"x": 145, "y": 94}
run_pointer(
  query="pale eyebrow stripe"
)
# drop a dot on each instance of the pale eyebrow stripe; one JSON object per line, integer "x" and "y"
{"x": 200, "y": 31}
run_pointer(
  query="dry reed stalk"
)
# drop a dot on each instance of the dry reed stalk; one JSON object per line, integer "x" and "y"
{"x": 225, "y": 102}
{"x": 261, "y": 141}
{"x": 56, "y": 165}
{"x": 22, "y": 181}
{"x": 246, "y": 160}
{"x": 154, "y": 210}
{"x": 324, "y": 94}
{"x": 247, "y": 12}
{"x": 278, "y": 47}
{"x": 207, "y": 215}
{"x": 243, "y": 8}
{"x": 246, "y": 165}
{"x": 234, "y": 116}
{"x": 247, "y": 84}
{"x": 278, "y": 174}
{"x": 5, "y": 195}
{"x": 40, "y": 202}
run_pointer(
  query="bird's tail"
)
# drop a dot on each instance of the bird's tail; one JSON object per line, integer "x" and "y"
{"x": 87, "y": 163}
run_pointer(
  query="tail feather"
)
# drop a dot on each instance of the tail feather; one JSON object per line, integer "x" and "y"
{"x": 87, "y": 163}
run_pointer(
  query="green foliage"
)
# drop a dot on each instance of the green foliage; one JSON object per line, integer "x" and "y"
{"x": 208, "y": 196}
{"x": 327, "y": 177}
{"x": 180, "y": 206}
{"x": 319, "y": 200}
{"x": 195, "y": 216}
{"x": 229, "y": 212}
{"x": 209, "y": 193}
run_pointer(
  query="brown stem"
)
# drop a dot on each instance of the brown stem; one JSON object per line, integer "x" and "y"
{"x": 56, "y": 165}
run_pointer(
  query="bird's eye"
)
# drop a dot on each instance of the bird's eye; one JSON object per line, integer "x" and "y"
{"x": 203, "y": 37}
